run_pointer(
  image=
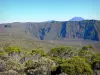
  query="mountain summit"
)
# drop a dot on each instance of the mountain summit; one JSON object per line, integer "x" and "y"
{"x": 76, "y": 19}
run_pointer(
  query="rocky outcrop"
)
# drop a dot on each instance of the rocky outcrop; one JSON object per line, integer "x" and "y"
{"x": 58, "y": 30}
{"x": 86, "y": 29}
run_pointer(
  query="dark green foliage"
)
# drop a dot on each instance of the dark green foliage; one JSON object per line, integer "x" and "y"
{"x": 1, "y": 53}
{"x": 57, "y": 60}
{"x": 96, "y": 58}
{"x": 39, "y": 51}
{"x": 61, "y": 51}
{"x": 76, "y": 66}
{"x": 85, "y": 48}
{"x": 30, "y": 63}
{"x": 12, "y": 49}
{"x": 85, "y": 53}
{"x": 72, "y": 61}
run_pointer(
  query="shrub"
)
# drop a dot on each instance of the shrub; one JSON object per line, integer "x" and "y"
{"x": 76, "y": 66}
{"x": 30, "y": 63}
{"x": 61, "y": 51}
{"x": 39, "y": 51}
{"x": 13, "y": 65}
{"x": 95, "y": 61}
{"x": 11, "y": 49}
{"x": 2, "y": 66}
{"x": 43, "y": 66}
{"x": 57, "y": 60}
{"x": 85, "y": 48}
{"x": 85, "y": 53}
{"x": 96, "y": 58}
{"x": 46, "y": 65}
{"x": 1, "y": 53}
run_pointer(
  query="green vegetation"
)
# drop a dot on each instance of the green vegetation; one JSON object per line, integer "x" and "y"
{"x": 11, "y": 49}
{"x": 72, "y": 61}
{"x": 1, "y": 53}
{"x": 96, "y": 58}
{"x": 39, "y": 51}
{"x": 61, "y": 51}
{"x": 75, "y": 66}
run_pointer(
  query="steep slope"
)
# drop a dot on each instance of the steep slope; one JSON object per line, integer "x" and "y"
{"x": 87, "y": 29}
{"x": 56, "y": 30}
{"x": 97, "y": 26}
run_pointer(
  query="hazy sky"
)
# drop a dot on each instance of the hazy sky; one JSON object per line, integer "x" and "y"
{"x": 43, "y": 10}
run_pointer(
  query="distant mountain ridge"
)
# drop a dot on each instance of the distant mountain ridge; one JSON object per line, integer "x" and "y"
{"x": 61, "y": 30}
{"x": 77, "y": 19}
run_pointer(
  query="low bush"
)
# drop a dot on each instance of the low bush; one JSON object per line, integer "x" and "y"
{"x": 76, "y": 66}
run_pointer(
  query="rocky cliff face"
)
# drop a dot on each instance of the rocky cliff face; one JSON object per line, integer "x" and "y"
{"x": 60, "y": 30}
{"x": 87, "y": 29}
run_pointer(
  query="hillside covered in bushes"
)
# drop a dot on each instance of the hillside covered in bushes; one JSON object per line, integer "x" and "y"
{"x": 60, "y": 60}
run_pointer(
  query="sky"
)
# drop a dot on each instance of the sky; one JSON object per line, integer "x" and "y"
{"x": 44, "y": 10}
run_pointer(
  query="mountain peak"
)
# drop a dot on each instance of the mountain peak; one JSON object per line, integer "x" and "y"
{"x": 76, "y": 19}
